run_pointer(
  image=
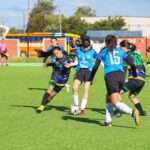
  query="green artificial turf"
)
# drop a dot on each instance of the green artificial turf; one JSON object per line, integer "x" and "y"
{"x": 21, "y": 128}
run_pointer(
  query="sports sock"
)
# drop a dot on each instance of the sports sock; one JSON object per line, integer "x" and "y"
{"x": 45, "y": 99}
{"x": 109, "y": 112}
{"x": 76, "y": 100}
{"x": 83, "y": 104}
{"x": 139, "y": 107}
{"x": 124, "y": 108}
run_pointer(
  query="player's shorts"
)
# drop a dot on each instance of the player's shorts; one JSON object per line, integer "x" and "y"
{"x": 57, "y": 88}
{"x": 3, "y": 55}
{"x": 114, "y": 82}
{"x": 83, "y": 75}
{"x": 133, "y": 86}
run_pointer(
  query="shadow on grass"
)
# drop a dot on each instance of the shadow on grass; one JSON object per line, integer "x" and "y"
{"x": 82, "y": 119}
{"x": 93, "y": 121}
{"x": 37, "y": 89}
{"x": 98, "y": 110}
{"x": 48, "y": 107}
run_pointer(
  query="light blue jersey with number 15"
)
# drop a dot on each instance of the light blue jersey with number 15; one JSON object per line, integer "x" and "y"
{"x": 113, "y": 61}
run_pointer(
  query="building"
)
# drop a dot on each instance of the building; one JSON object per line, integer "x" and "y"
{"x": 132, "y": 23}
{"x": 135, "y": 37}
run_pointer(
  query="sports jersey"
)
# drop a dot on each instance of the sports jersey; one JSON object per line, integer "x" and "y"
{"x": 60, "y": 73}
{"x": 85, "y": 58}
{"x": 113, "y": 61}
{"x": 140, "y": 68}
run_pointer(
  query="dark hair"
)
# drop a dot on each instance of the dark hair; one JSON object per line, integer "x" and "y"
{"x": 56, "y": 47}
{"x": 85, "y": 41}
{"x": 124, "y": 43}
{"x": 109, "y": 39}
{"x": 85, "y": 38}
{"x": 132, "y": 47}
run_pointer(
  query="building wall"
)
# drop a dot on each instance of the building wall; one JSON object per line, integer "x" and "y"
{"x": 141, "y": 43}
{"x": 132, "y": 23}
{"x": 12, "y": 47}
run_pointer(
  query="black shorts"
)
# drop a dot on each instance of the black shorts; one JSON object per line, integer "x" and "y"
{"x": 133, "y": 86}
{"x": 3, "y": 55}
{"x": 114, "y": 82}
{"x": 83, "y": 75}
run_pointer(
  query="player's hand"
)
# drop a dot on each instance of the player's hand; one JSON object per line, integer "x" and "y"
{"x": 45, "y": 65}
{"x": 67, "y": 65}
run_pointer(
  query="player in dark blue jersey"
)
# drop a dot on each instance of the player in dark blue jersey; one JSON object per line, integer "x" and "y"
{"x": 61, "y": 64}
{"x": 85, "y": 61}
{"x": 134, "y": 85}
{"x": 113, "y": 59}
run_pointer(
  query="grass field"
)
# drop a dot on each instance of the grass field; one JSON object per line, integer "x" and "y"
{"x": 22, "y": 129}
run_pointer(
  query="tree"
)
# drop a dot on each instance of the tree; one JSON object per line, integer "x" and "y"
{"x": 85, "y": 11}
{"x": 74, "y": 24}
{"x": 37, "y": 20}
{"x": 13, "y": 30}
{"x": 112, "y": 23}
{"x": 53, "y": 23}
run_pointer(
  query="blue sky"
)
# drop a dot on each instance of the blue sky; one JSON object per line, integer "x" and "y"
{"x": 12, "y": 12}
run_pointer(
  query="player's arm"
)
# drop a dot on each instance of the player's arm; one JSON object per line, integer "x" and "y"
{"x": 128, "y": 59}
{"x": 95, "y": 68}
{"x": 71, "y": 63}
{"x": 43, "y": 53}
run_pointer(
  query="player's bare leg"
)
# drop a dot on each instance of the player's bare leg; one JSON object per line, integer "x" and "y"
{"x": 85, "y": 97}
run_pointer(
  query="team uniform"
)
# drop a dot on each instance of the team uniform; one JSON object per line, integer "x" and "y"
{"x": 113, "y": 68}
{"x": 60, "y": 73}
{"x": 135, "y": 84}
{"x": 85, "y": 64}
{"x": 114, "y": 79}
{"x": 58, "y": 79}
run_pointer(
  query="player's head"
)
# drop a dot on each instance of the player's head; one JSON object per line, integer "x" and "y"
{"x": 57, "y": 52}
{"x": 133, "y": 47}
{"x": 111, "y": 42}
{"x": 85, "y": 41}
{"x": 125, "y": 45}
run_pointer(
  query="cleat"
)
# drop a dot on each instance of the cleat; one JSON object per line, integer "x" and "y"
{"x": 108, "y": 124}
{"x": 136, "y": 116}
{"x": 40, "y": 109}
{"x": 82, "y": 112}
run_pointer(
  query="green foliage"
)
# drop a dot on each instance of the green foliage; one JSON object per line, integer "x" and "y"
{"x": 37, "y": 20}
{"x": 85, "y": 11}
{"x": 13, "y": 30}
{"x": 74, "y": 24}
{"x": 113, "y": 23}
{"x": 42, "y": 19}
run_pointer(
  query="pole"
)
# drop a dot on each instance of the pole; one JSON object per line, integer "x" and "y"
{"x": 28, "y": 38}
{"x": 60, "y": 22}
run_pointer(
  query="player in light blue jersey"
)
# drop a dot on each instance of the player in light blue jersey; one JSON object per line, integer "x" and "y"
{"x": 113, "y": 59}
{"x": 85, "y": 61}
